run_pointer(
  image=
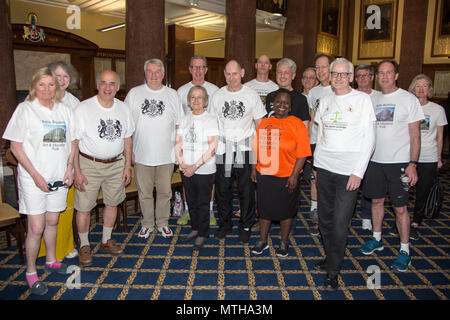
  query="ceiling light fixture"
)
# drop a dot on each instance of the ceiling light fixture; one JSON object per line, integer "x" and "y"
{"x": 193, "y": 3}
{"x": 112, "y": 27}
{"x": 206, "y": 40}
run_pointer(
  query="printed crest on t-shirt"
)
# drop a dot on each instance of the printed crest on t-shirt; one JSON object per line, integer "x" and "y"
{"x": 233, "y": 110}
{"x": 110, "y": 130}
{"x": 191, "y": 136}
{"x": 153, "y": 107}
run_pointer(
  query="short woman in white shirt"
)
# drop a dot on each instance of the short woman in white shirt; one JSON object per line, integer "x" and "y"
{"x": 41, "y": 135}
{"x": 431, "y": 142}
{"x": 195, "y": 147}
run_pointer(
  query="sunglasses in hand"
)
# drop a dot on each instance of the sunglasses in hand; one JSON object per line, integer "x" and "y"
{"x": 56, "y": 185}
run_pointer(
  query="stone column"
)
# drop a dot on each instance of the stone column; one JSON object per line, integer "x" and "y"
{"x": 8, "y": 99}
{"x": 240, "y": 35}
{"x": 145, "y": 37}
{"x": 413, "y": 41}
{"x": 300, "y": 35}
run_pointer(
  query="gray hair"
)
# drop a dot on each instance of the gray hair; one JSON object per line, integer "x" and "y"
{"x": 342, "y": 60}
{"x": 154, "y": 61}
{"x": 199, "y": 57}
{"x": 67, "y": 67}
{"x": 205, "y": 93}
{"x": 420, "y": 77}
{"x": 365, "y": 67}
{"x": 287, "y": 63}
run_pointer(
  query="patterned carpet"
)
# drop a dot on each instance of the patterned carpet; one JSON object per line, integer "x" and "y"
{"x": 166, "y": 269}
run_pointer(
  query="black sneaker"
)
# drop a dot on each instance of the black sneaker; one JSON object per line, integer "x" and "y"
{"x": 414, "y": 233}
{"x": 283, "y": 250}
{"x": 314, "y": 230}
{"x": 393, "y": 230}
{"x": 221, "y": 233}
{"x": 331, "y": 284}
{"x": 260, "y": 247}
{"x": 321, "y": 265}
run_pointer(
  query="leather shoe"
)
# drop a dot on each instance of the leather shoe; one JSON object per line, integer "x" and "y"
{"x": 321, "y": 265}
{"x": 85, "y": 256}
{"x": 199, "y": 243}
{"x": 111, "y": 247}
{"x": 331, "y": 284}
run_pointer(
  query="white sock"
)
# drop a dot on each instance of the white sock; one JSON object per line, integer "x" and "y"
{"x": 377, "y": 236}
{"x": 211, "y": 204}
{"x": 186, "y": 206}
{"x": 84, "y": 239}
{"x": 404, "y": 247}
{"x": 313, "y": 205}
{"x": 106, "y": 234}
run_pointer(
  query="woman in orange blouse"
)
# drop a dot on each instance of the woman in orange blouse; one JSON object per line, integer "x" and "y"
{"x": 281, "y": 145}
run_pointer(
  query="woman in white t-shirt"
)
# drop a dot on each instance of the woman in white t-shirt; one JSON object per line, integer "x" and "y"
{"x": 66, "y": 75}
{"x": 41, "y": 133}
{"x": 195, "y": 147}
{"x": 431, "y": 142}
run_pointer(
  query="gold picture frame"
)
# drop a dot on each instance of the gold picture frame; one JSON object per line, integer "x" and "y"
{"x": 378, "y": 29}
{"x": 441, "y": 32}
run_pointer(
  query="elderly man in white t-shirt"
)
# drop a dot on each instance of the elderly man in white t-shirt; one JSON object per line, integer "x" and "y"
{"x": 396, "y": 154}
{"x": 157, "y": 112}
{"x": 239, "y": 111}
{"x": 103, "y": 160}
{"x": 198, "y": 67}
{"x": 345, "y": 141}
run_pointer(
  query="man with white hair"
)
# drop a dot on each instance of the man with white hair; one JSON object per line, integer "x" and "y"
{"x": 345, "y": 142}
{"x": 157, "y": 112}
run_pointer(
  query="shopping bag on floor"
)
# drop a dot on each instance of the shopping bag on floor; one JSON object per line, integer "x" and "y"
{"x": 434, "y": 201}
{"x": 177, "y": 204}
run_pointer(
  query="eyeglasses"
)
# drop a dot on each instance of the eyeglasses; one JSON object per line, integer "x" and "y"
{"x": 343, "y": 75}
{"x": 56, "y": 185}
{"x": 387, "y": 73}
{"x": 364, "y": 75}
{"x": 198, "y": 67}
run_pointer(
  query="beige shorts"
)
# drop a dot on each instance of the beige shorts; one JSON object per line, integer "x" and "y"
{"x": 107, "y": 176}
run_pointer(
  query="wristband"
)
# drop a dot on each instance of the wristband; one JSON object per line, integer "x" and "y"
{"x": 413, "y": 162}
{"x": 197, "y": 165}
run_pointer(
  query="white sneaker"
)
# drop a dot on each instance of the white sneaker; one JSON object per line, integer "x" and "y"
{"x": 72, "y": 254}
{"x": 145, "y": 232}
{"x": 165, "y": 232}
{"x": 366, "y": 224}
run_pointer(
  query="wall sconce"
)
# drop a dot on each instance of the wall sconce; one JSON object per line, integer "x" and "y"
{"x": 193, "y": 3}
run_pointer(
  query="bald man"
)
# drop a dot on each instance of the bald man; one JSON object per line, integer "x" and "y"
{"x": 262, "y": 84}
{"x": 103, "y": 159}
{"x": 239, "y": 111}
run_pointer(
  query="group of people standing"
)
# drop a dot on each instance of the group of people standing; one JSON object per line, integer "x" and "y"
{"x": 257, "y": 136}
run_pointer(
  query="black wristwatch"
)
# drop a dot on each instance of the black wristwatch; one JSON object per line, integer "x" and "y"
{"x": 414, "y": 162}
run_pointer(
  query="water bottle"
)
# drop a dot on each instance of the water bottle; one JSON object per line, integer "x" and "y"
{"x": 404, "y": 179}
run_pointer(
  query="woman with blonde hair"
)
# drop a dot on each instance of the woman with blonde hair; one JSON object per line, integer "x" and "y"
{"x": 66, "y": 76}
{"x": 41, "y": 133}
{"x": 431, "y": 142}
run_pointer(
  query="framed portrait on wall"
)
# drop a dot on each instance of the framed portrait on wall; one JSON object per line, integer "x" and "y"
{"x": 378, "y": 29}
{"x": 444, "y": 19}
{"x": 329, "y": 17}
{"x": 441, "y": 32}
{"x": 378, "y": 21}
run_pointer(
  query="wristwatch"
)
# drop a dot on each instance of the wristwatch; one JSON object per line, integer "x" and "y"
{"x": 197, "y": 165}
{"x": 413, "y": 162}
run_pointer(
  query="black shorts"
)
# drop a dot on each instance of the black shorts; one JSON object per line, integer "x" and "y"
{"x": 383, "y": 178}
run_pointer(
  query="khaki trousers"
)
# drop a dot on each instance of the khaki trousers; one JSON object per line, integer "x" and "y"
{"x": 147, "y": 178}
